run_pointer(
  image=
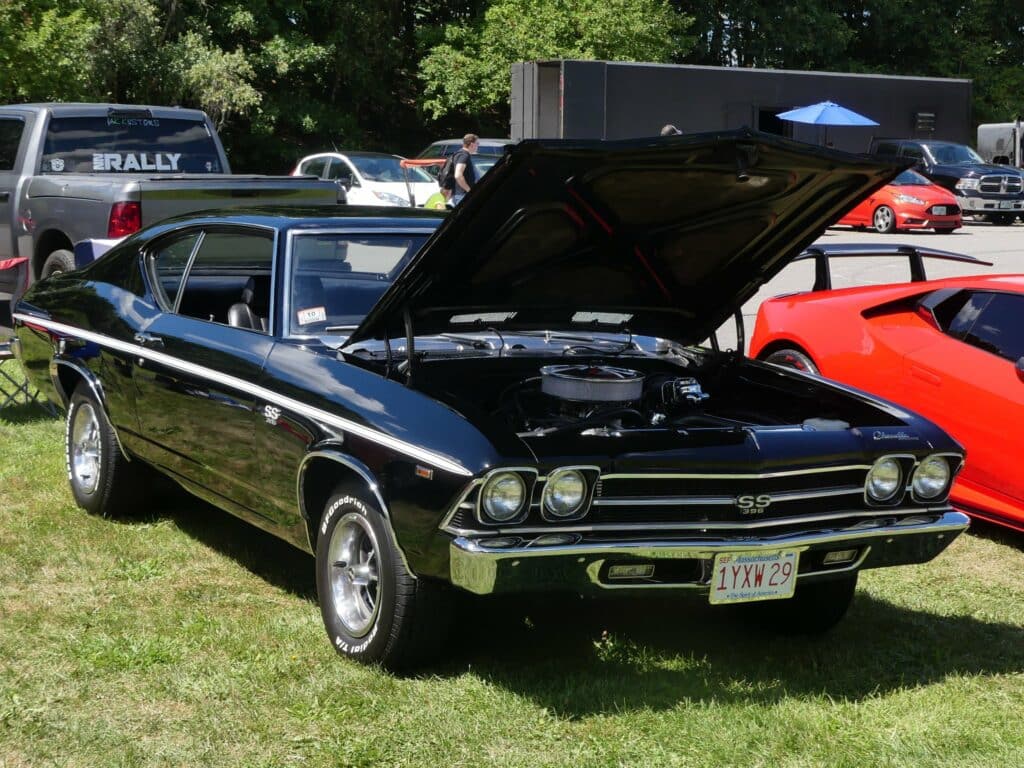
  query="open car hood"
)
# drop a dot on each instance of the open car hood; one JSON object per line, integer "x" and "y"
{"x": 661, "y": 237}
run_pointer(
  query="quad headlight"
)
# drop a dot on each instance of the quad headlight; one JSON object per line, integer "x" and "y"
{"x": 931, "y": 478}
{"x": 565, "y": 493}
{"x": 884, "y": 479}
{"x": 503, "y": 496}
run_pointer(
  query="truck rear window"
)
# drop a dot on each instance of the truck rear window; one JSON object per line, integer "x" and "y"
{"x": 117, "y": 144}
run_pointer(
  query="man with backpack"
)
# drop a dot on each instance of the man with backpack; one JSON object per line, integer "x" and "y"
{"x": 458, "y": 174}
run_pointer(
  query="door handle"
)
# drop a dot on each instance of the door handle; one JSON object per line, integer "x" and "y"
{"x": 924, "y": 375}
{"x": 148, "y": 340}
{"x": 4, "y": 197}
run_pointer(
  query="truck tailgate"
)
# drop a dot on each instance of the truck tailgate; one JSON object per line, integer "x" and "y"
{"x": 162, "y": 198}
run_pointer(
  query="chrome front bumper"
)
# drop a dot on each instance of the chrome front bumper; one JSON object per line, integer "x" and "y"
{"x": 989, "y": 205}
{"x": 686, "y": 562}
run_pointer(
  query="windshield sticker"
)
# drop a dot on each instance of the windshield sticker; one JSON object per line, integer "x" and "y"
{"x": 483, "y": 317}
{"x": 311, "y": 315}
{"x": 129, "y": 161}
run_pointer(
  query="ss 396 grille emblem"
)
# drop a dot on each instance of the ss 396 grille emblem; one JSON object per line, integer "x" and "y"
{"x": 753, "y": 505}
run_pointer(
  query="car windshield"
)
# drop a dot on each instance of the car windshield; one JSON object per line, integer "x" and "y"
{"x": 385, "y": 168}
{"x": 129, "y": 144}
{"x": 336, "y": 278}
{"x": 910, "y": 178}
{"x": 954, "y": 154}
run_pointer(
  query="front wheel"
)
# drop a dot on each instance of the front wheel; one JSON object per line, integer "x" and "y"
{"x": 57, "y": 262}
{"x": 374, "y": 611}
{"x": 814, "y": 609}
{"x": 101, "y": 479}
{"x": 1002, "y": 219}
{"x": 792, "y": 358}
{"x": 884, "y": 219}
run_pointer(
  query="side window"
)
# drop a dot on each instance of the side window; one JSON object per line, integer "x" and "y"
{"x": 10, "y": 138}
{"x": 169, "y": 260}
{"x": 968, "y": 313}
{"x": 339, "y": 170}
{"x": 230, "y": 267}
{"x": 912, "y": 151}
{"x": 315, "y": 167}
{"x": 887, "y": 148}
{"x": 999, "y": 329}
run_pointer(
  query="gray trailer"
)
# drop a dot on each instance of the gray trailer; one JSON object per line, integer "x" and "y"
{"x": 1000, "y": 143}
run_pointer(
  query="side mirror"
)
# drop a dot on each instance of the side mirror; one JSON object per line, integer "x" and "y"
{"x": 347, "y": 181}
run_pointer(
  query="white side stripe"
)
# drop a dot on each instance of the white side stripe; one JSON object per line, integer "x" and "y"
{"x": 295, "y": 406}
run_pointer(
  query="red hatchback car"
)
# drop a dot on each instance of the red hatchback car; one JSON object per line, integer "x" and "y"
{"x": 910, "y": 201}
{"x": 951, "y": 350}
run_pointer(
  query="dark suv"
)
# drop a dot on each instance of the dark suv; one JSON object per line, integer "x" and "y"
{"x": 995, "y": 192}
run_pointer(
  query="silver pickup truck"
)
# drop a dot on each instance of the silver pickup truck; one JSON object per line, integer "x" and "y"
{"x": 71, "y": 172}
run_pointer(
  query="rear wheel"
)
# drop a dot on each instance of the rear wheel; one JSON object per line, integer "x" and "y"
{"x": 374, "y": 611}
{"x": 102, "y": 481}
{"x": 815, "y": 608}
{"x": 884, "y": 219}
{"x": 57, "y": 262}
{"x": 792, "y": 358}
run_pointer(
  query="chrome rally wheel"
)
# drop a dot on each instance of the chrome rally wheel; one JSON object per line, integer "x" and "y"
{"x": 353, "y": 557}
{"x": 85, "y": 449}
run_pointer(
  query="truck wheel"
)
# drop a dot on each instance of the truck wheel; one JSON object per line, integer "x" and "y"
{"x": 373, "y": 610}
{"x": 884, "y": 219}
{"x": 102, "y": 481}
{"x": 814, "y": 609}
{"x": 59, "y": 261}
{"x": 1002, "y": 219}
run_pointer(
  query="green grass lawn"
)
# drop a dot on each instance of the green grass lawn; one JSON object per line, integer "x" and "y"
{"x": 187, "y": 638}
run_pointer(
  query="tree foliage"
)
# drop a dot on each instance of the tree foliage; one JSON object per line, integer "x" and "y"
{"x": 286, "y": 77}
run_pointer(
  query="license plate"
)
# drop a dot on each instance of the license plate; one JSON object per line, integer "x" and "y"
{"x": 746, "y": 577}
{"x": 939, "y": 210}
{"x": 1006, "y": 203}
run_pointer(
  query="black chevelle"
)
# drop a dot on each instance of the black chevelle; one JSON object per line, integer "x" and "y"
{"x": 508, "y": 399}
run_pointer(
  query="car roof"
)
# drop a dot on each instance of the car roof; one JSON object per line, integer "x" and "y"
{"x": 319, "y": 217}
{"x": 86, "y": 109}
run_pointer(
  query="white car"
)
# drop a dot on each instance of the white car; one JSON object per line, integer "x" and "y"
{"x": 370, "y": 178}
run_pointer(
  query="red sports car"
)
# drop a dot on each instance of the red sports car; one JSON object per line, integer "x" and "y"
{"x": 910, "y": 201}
{"x": 951, "y": 350}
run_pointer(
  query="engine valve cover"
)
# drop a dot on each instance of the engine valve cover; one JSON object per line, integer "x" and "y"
{"x": 592, "y": 383}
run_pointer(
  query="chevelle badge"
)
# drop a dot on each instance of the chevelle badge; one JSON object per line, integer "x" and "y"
{"x": 130, "y": 161}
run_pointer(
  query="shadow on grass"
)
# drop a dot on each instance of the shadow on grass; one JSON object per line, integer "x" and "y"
{"x": 997, "y": 533}
{"x": 28, "y": 413}
{"x": 580, "y": 658}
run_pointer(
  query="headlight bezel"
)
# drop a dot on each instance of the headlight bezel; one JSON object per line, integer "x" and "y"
{"x": 579, "y": 509}
{"x": 899, "y": 489}
{"x": 528, "y": 478}
{"x": 953, "y": 461}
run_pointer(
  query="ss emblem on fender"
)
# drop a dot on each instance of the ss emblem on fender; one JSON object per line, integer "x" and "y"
{"x": 753, "y": 505}
{"x": 271, "y": 414}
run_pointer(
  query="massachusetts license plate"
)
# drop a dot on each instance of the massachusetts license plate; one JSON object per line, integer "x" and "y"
{"x": 745, "y": 577}
{"x": 939, "y": 210}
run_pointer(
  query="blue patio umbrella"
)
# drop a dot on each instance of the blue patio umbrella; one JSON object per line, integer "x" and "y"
{"x": 825, "y": 113}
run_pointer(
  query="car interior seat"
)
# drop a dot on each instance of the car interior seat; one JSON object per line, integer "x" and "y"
{"x": 254, "y": 308}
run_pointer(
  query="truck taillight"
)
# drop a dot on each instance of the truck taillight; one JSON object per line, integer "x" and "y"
{"x": 125, "y": 219}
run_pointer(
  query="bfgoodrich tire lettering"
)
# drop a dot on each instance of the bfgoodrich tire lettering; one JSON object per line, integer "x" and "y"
{"x": 101, "y": 479}
{"x": 373, "y": 610}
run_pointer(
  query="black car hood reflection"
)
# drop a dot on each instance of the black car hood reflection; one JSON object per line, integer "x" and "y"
{"x": 664, "y": 237}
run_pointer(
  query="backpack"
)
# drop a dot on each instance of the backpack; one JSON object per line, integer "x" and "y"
{"x": 446, "y": 176}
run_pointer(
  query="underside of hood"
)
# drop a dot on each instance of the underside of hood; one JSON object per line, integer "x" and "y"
{"x": 662, "y": 237}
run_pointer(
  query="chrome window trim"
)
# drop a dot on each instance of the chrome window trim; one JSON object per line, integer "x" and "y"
{"x": 347, "y": 425}
{"x": 286, "y": 305}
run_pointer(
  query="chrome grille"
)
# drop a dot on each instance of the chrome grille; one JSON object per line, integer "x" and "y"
{"x": 1000, "y": 185}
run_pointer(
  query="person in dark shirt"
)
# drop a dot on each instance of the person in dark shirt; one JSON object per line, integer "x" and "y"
{"x": 465, "y": 172}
